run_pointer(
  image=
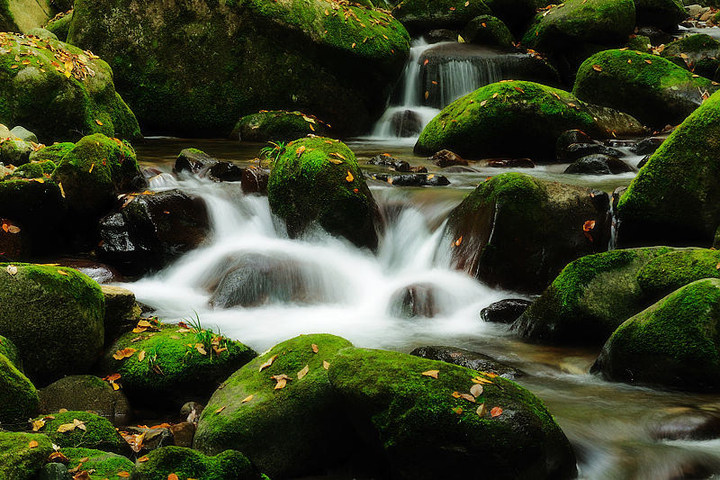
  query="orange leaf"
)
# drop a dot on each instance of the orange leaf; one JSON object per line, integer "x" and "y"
{"x": 589, "y": 225}
{"x": 519, "y": 89}
{"x": 431, "y": 373}
{"x": 247, "y": 399}
{"x": 459, "y": 241}
{"x": 597, "y": 68}
{"x": 124, "y": 353}
{"x": 458, "y": 410}
{"x": 143, "y": 459}
{"x": 456, "y": 394}
{"x": 300, "y": 150}
{"x": 496, "y": 412}
{"x": 125, "y": 474}
{"x": 98, "y": 122}
{"x": 349, "y": 177}
{"x": 220, "y": 409}
{"x": 58, "y": 457}
{"x": 172, "y": 476}
{"x": 33, "y": 444}
{"x": 315, "y": 348}
{"x": 268, "y": 363}
{"x": 648, "y": 62}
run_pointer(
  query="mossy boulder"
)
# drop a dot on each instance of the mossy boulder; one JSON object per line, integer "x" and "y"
{"x": 19, "y": 461}
{"x": 95, "y": 171}
{"x": 73, "y": 89}
{"x": 517, "y": 232}
{"x": 664, "y": 14}
{"x": 675, "y": 198}
{"x": 488, "y": 30}
{"x": 18, "y": 397}
{"x": 85, "y": 393}
{"x": 425, "y": 15}
{"x": 14, "y": 151}
{"x": 55, "y": 317}
{"x": 42, "y": 169}
{"x": 59, "y": 25}
{"x": 581, "y": 22}
{"x": 196, "y": 69}
{"x": 319, "y": 180}
{"x": 87, "y": 431}
{"x": 518, "y": 119}
{"x": 276, "y": 126}
{"x": 667, "y": 273}
{"x": 188, "y": 463}
{"x": 699, "y": 53}
{"x": 103, "y": 465}
{"x": 24, "y": 15}
{"x": 590, "y": 298}
{"x": 287, "y": 432}
{"x": 651, "y": 88}
{"x": 169, "y": 360}
{"x": 54, "y": 152}
{"x": 9, "y": 349}
{"x": 675, "y": 343}
{"x": 425, "y": 430}
{"x": 121, "y": 311}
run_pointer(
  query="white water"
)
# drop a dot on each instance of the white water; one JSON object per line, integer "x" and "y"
{"x": 354, "y": 285}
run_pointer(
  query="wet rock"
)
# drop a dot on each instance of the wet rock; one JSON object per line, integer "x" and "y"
{"x": 697, "y": 53}
{"x": 152, "y": 229}
{"x": 438, "y": 35}
{"x": 488, "y": 30}
{"x": 578, "y": 150}
{"x": 24, "y": 134}
{"x": 98, "y": 433}
{"x": 469, "y": 359}
{"x": 183, "y": 434}
{"x": 511, "y": 163}
{"x": 86, "y": 393}
{"x": 647, "y": 146}
{"x": 54, "y": 471}
{"x": 446, "y": 158}
{"x": 101, "y": 464}
{"x": 255, "y": 180}
{"x": 407, "y": 123}
{"x": 201, "y": 164}
{"x": 414, "y": 180}
{"x": 417, "y": 300}
{"x": 153, "y": 438}
{"x": 278, "y": 126}
{"x": 504, "y": 311}
{"x": 687, "y": 424}
{"x": 121, "y": 312}
{"x": 421, "y": 15}
{"x": 643, "y": 161}
{"x": 99, "y": 272}
{"x": 225, "y": 172}
{"x": 663, "y": 14}
{"x": 598, "y": 164}
{"x": 569, "y": 137}
{"x": 388, "y": 161}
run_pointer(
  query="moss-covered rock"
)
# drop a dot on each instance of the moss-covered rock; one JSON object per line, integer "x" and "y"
{"x": 24, "y": 15}
{"x": 95, "y": 171}
{"x": 9, "y": 349}
{"x": 85, "y": 393}
{"x": 14, "y": 151}
{"x": 674, "y": 343}
{"x": 74, "y": 91}
{"x": 54, "y": 152}
{"x": 99, "y": 464}
{"x": 18, "y": 397}
{"x": 669, "y": 272}
{"x": 424, "y": 15}
{"x": 55, "y": 317}
{"x": 20, "y": 461}
{"x": 675, "y": 198}
{"x": 121, "y": 311}
{"x": 427, "y": 431}
{"x": 276, "y": 126}
{"x": 169, "y": 360}
{"x": 590, "y": 298}
{"x": 487, "y": 30}
{"x": 518, "y": 232}
{"x": 319, "y": 180}
{"x": 641, "y": 43}
{"x": 88, "y": 431}
{"x": 286, "y": 432}
{"x": 188, "y": 463}
{"x": 698, "y": 53}
{"x": 517, "y": 118}
{"x": 59, "y": 25}
{"x": 664, "y": 14}
{"x": 577, "y": 22}
{"x": 195, "y": 69}
{"x": 42, "y": 169}
{"x": 652, "y": 89}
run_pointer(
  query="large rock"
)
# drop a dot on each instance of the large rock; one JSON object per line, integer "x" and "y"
{"x": 590, "y": 298}
{"x": 121, "y": 311}
{"x": 277, "y": 126}
{"x": 188, "y": 463}
{"x": 664, "y": 14}
{"x": 518, "y": 232}
{"x": 516, "y": 118}
{"x": 73, "y": 89}
{"x": 675, "y": 198}
{"x": 468, "y": 359}
{"x": 55, "y": 317}
{"x": 20, "y": 461}
{"x": 698, "y": 53}
{"x": 424, "y": 15}
{"x": 488, "y": 30}
{"x": 287, "y": 432}
{"x": 673, "y": 343}
{"x": 405, "y": 409}
{"x": 667, "y": 273}
{"x": 652, "y": 89}
{"x": 197, "y": 67}
{"x": 98, "y": 432}
{"x": 105, "y": 465}
{"x": 18, "y": 397}
{"x": 319, "y": 180}
{"x": 24, "y": 15}
{"x": 85, "y": 393}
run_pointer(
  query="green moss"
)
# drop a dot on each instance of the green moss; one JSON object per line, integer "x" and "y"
{"x": 17, "y": 460}
{"x": 60, "y": 25}
{"x": 286, "y": 432}
{"x": 54, "y": 153}
{"x": 173, "y": 364}
{"x": 415, "y": 420}
{"x": 697, "y": 53}
{"x": 488, "y": 30}
{"x": 101, "y": 465}
{"x": 674, "y": 343}
{"x": 187, "y": 463}
{"x": 10, "y": 351}
{"x": 98, "y": 433}
{"x": 18, "y": 397}
{"x": 651, "y": 88}
{"x": 640, "y": 43}
{"x": 513, "y": 118}
{"x": 674, "y": 270}
{"x": 425, "y": 15}
{"x": 319, "y": 180}
{"x": 35, "y": 170}
{"x": 277, "y": 125}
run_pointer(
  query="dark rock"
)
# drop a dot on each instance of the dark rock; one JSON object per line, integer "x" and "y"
{"x": 504, "y": 311}
{"x": 446, "y": 158}
{"x": 417, "y": 300}
{"x": 153, "y": 438}
{"x": 511, "y": 163}
{"x": 569, "y": 137}
{"x": 121, "y": 312}
{"x": 441, "y": 35}
{"x": 99, "y": 272}
{"x": 488, "y": 30}
{"x": 407, "y": 123}
{"x": 414, "y": 180}
{"x": 191, "y": 411}
{"x": 183, "y": 434}
{"x": 225, "y": 172}
{"x": 687, "y": 424}
{"x": 646, "y": 146}
{"x": 389, "y": 161}
{"x": 598, "y": 164}
{"x": 655, "y": 34}
{"x": 643, "y": 161}
{"x": 193, "y": 161}
{"x": 54, "y": 471}
{"x": 255, "y": 180}
{"x": 459, "y": 169}
{"x": 469, "y": 359}
{"x": 86, "y": 393}
{"x": 578, "y": 150}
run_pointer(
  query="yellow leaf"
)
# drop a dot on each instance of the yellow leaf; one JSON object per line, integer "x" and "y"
{"x": 37, "y": 425}
{"x": 124, "y": 353}
{"x": 268, "y": 363}
{"x": 199, "y": 347}
{"x": 66, "y": 427}
{"x": 349, "y": 177}
{"x": 141, "y": 356}
{"x": 220, "y": 409}
{"x": 303, "y": 372}
{"x": 481, "y": 410}
{"x": 247, "y": 399}
{"x": 98, "y": 122}
{"x": 315, "y": 348}
{"x": 300, "y": 150}
{"x": 11, "y": 269}
{"x": 79, "y": 424}
{"x": 91, "y": 168}
{"x": 326, "y": 365}
{"x": 280, "y": 384}
{"x": 33, "y": 444}
{"x": 431, "y": 373}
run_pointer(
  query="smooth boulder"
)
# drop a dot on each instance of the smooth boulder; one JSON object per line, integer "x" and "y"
{"x": 277, "y": 126}
{"x": 85, "y": 393}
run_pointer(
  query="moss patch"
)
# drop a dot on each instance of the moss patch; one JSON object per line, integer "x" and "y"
{"x": 674, "y": 270}
{"x": 103, "y": 465}
{"x": 423, "y": 15}
{"x": 54, "y": 153}
{"x": 98, "y": 433}
{"x": 17, "y": 460}
{"x": 18, "y": 397}
{"x": 188, "y": 463}
{"x": 277, "y": 125}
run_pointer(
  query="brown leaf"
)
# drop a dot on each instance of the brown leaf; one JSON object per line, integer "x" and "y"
{"x": 141, "y": 356}
{"x": 57, "y": 457}
{"x": 481, "y": 410}
{"x": 468, "y": 397}
{"x": 431, "y": 373}
{"x": 303, "y": 372}
{"x": 280, "y": 384}
{"x": 349, "y": 177}
{"x": 124, "y": 353}
{"x": 496, "y": 412}
{"x": 476, "y": 390}
{"x": 220, "y": 409}
{"x": 597, "y": 68}
{"x": 268, "y": 363}
{"x": 458, "y": 410}
{"x": 315, "y": 348}
{"x": 143, "y": 459}
{"x": 82, "y": 475}
{"x": 200, "y": 348}
{"x": 37, "y": 425}
{"x": 33, "y": 444}
{"x": 519, "y": 89}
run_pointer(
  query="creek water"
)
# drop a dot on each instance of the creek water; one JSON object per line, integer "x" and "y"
{"x": 610, "y": 425}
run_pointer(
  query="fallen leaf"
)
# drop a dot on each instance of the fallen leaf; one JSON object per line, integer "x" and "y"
{"x": 597, "y": 68}
{"x": 11, "y": 269}
{"x": 303, "y": 372}
{"x": 143, "y": 459}
{"x": 468, "y": 397}
{"x": 349, "y": 177}
{"x": 481, "y": 410}
{"x": 247, "y": 399}
{"x": 33, "y": 444}
{"x": 141, "y": 356}
{"x": 300, "y": 150}
{"x": 519, "y": 89}
{"x": 456, "y": 394}
{"x": 98, "y": 122}
{"x": 589, "y": 225}
{"x": 326, "y": 365}
{"x": 717, "y": 267}
{"x": 79, "y": 424}
{"x": 57, "y": 457}
{"x": 476, "y": 390}
{"x": 83, "y": 475}
{"x": 66, "y": 427}
{"x": 220, "y": 409}
{"x": 280, "y": 384}
{"x": 200, "y": 348}
{"x": 268, "y": 363}
{"x": 496, "y": 412}
{"x": 458, "y": 242}
{"x": 125, "y": 474}
{"x": 427, "y": 94}
{"x": 172, "y": 476}
{"x": 431, "y": 373}
{"x": 315, "y": 348}
{"x": 37, "y": 425}
{"x": 124, "y": 353}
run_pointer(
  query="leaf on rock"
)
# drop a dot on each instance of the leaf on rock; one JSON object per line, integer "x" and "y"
{"x": 66, "y": 427}
{"x": 597, "y": 68}
{"x": 303, "y": 372}
{"x": 431, "y": 373}
{"x": 496, "y": 412}
{"x": 458, "y": 410}
{"x": 172, "y": 476}
{"x": 125, "y": 474}
{"x": 98, "y": 122}
{"x": 315, "y": 348}
{"x": 57, "y": 457}
{"x": 349, "y": 177}
{"x": 468, "y": 397}
{"x": 268, "y": 363}
{"x": 458, "y": 242}
{"x": 481, "y": 410}
{"x": 200, "y": 348}
{"x": 11, "y": 269}
{"x": 143, "y": 459}
{"x": 220, "y": 409}
{"x": 37, "y": 425}
{"x": 79, "y": 424}
{"x": 141, "y": 356}
{"x": 124, "y": 353}
{"x": 247, "y": 399}
{"x": 326, "y": 365}
{"x": 300, "y": 150}
{"x": 33, "y": 444}
{"x": 476, "y": 390}
{"x": 280, "y": 384}
{"x": 456, "y": 394}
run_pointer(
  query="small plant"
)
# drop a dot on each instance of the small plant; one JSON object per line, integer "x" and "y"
{"x": 210, "y": 340}
{"x": 272, "y": 151}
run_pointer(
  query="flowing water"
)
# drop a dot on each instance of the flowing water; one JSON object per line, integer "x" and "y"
{"x": 609, "y": 424}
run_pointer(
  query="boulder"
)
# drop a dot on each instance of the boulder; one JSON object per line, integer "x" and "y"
{"x": 101, "y": 464}
{"x": 55, "y": 317}
{"x": 673, "y": 270}
{"x": 83, "y": 429}
{"x": 319, "y": 180}
{"x": 19, "y": 461}
{"x": 675, "y": 198}
{"x": 88, "y": 394}
{"x": 664, "y": 14}
{"x": 24, "y": 15}
{"x": 518, "y": 232}
{"x": 505, "y": 311}
{"x": 446, "y": 158}
{"x": 698, "y": 53}
{"x": 468, "y": 359}
{"x": 54, "y": 153}
{"x": 650, "y": 88}
{"x": 406, "y": 123}
{"x": 288, "y": 431}
{"x": 488, "y": 30}
{"x": 255, "y": 180}
{"x": 686, "y": 423}
{"x": 187, "y": 463}
{"x": 576, "y": 151}
{"x": 646, "y": 146}
{"x": 511, "y": 163}
{"x": 417, "y": 300}
{"x": 598, "y": 164}
{"x": 672, "y": 344}
{"x": 24, "y": 134}
{"x": 18, "y": 397}
{"x": 518, "y": 118}
{"x": 425, "y": 15}
{"x": 42, "y": 169}
{"x": 197, "y": 162}
{"x": 14, "y": 151}
{"x": 121, "y": 312}
{"x": 76, "y": 96}
{"x": 195, "y": 69}
{"x": 278, "y": 126}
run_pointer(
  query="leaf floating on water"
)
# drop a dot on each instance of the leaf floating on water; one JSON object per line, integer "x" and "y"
{"x": 326, "y": 365}
{"x": 476, "y": 390}
{"x": 124, "y": 353}
{"x": 481, "y": 410}
{"x": 431, "y": 373}
{"x": 11, "y": 269}
{"x": 33, "y": 444}
{"x": 303, "y": 372}
{"x": 315, "y": 348}
{"x": 349, "y": 177}
{"x": 247, "y": 399}
{"x": 496, "y": 412}
{"x": 268, "y": 363}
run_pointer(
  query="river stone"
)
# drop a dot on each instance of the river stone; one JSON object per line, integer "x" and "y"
{"x": 255, "y": 180}
{"x": 488, "y": 30}
{"x": 685, "y": 423}
{"x": 121, "y": 311}
{"x": 24, "y": 134}
{"x": 17, "y": 460}
{"x": 504, "y": 311}
{"x": 469, "y": 359}
{"x": 576, "y": 151}
{"x": 103, "y": 465}
{"x": 99, "y": 433}
{"x": 185, "y": 462}
{"x": 86, "y": 393}
{"x": 194, "y": 69}
{"x": 672, "y": 344}
{"x": 518, "y": 232}
{"x": 667, "y": 273}
{"x": 413, "y": 420}
{"x": 598, "y": 164}
{"x": 277, "y": 126}
{"x": 416, "y": 300}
